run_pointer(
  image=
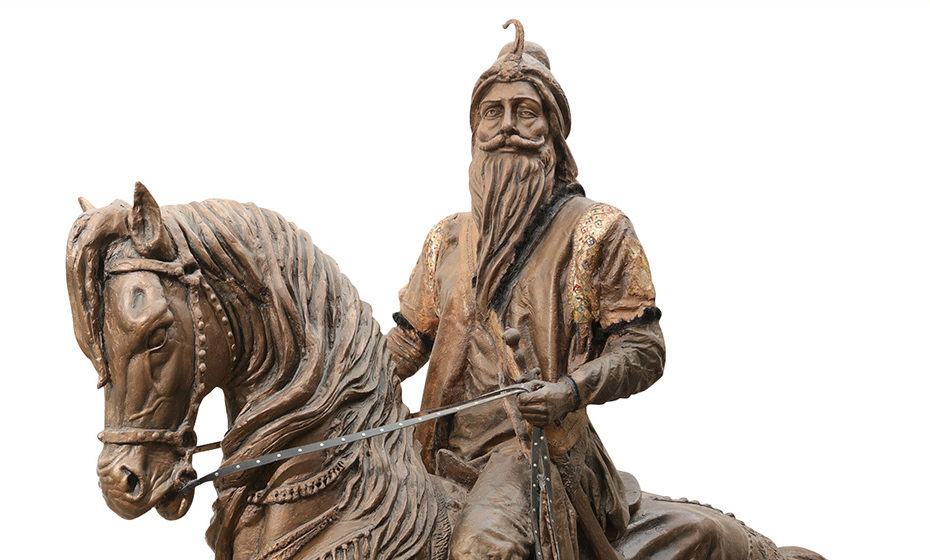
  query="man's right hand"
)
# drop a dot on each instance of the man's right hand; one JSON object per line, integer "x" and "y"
{"x": 546, "y": 402}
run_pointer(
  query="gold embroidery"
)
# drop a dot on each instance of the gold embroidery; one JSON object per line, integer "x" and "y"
{"x": 432, "y": 247}
{"x": 591, "y": 228}
{"x": 639, "y": 283}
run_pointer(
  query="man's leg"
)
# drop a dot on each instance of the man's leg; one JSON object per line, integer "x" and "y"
{"x": 672, "y": 530}
{"x": 496, "y": 523}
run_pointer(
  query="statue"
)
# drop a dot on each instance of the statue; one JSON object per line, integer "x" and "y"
{"x": 170, "y": 303}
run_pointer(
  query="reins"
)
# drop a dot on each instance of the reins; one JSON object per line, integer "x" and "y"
{"x": 411, "y": 421}
{"x": 540, "y": 475}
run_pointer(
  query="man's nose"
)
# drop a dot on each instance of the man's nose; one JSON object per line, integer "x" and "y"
{"x": 509, "y": 123}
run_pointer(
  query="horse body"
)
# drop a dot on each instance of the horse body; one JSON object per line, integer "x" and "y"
{"x": 172, "y": 303}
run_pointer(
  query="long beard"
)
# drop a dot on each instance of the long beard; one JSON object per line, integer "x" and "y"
{"x": 507, "y": 190}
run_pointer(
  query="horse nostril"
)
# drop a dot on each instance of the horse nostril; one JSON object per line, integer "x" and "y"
{"x": 132, "y": 481}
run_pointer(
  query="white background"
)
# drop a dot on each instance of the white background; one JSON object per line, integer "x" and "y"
{"x": 773, "y": 157}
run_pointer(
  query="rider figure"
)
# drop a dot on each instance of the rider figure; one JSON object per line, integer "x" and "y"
{"x": 568, "y": 273}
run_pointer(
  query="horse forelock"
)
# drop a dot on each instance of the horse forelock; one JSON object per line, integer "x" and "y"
{"x": 91, "y": 238}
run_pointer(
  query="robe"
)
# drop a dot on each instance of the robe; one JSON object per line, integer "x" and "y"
{"x": 580, "y": 292}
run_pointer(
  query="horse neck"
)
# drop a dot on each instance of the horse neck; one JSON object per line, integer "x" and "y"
{"x": 356, "y": 394}
{"x": 331, "y": 356}
{"x": 313, "y": 362}
{"x": 385, "y": 498}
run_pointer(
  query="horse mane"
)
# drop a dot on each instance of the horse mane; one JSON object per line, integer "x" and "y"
{"x": 309, "y": 346}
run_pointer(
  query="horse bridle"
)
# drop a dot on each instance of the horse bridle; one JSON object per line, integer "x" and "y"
{"x": 183, "y": 439}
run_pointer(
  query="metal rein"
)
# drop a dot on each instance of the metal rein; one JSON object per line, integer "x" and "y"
{"x": 541, "y": 481}
{"x": 338, "y": 441}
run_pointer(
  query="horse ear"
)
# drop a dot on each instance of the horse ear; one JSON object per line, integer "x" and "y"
{"x": 149, "y": 235}
{"x": 85, "y": 204}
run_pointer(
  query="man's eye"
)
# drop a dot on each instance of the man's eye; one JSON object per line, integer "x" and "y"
{"x": 527, "y": 114}
{"x": 492, "y": 113}
{"x": 158, "y": 338}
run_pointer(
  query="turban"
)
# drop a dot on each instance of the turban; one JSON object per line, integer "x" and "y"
{"x": 522, "y": 61}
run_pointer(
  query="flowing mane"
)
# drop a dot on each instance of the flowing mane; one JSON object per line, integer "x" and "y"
{"x": 313, "y": 360}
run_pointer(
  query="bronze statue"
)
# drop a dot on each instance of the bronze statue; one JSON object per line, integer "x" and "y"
{"x": 172, "y": 302}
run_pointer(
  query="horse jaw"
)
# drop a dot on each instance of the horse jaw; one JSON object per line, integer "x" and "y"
{"x": 174, "y": 505}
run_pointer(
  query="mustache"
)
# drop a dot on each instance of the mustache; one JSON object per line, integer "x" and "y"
{"x": 512, "y": 140}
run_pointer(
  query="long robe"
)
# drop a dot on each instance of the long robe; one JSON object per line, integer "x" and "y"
{"x": 580, "y": 292}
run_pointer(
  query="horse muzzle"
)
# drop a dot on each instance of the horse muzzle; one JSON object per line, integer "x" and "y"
{"x": 135, "y": 478}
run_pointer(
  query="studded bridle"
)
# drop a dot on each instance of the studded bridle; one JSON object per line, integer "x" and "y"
{"x": 183, "y": 439}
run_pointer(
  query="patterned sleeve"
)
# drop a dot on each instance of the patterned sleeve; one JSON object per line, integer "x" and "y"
{"x": 411, "y": 341}
{"x": 623, "y": 279}
{"x": 621, "y": 307}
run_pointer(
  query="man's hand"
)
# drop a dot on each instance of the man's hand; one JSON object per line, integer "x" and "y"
{"x": 547, "y": 403}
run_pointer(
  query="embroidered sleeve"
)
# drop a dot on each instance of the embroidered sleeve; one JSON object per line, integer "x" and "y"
{"x": 613, "y": 292}
{"x": 591, "y": 228}
{"x": 411, "y": 341}
{"x": 419, "y": 299}
{"x": 623, "y": 279}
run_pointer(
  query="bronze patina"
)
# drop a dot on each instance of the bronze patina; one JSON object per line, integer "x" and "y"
{"x": 537, "y": 286}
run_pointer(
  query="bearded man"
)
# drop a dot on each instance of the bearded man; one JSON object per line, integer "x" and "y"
{"x": 571, "y": 276}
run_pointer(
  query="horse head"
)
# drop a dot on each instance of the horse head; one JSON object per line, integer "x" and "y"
{"x": 157, "y": 349}
{"x": 170, "y": 303}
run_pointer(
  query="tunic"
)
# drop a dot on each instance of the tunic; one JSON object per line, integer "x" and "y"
{"x": 580, "y": 292}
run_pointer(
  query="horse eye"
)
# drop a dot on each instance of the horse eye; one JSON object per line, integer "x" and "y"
{"x": 158, "y": 338}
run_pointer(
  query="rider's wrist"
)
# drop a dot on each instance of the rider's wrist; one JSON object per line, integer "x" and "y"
{"x": 577, "y": 401}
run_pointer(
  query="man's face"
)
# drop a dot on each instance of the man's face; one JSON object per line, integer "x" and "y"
{"x": 511, "y": 118}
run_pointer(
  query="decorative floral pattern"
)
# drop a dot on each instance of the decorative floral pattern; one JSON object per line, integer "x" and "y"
{"x": 432, "y": 246}
{"x": 591, "y": 228}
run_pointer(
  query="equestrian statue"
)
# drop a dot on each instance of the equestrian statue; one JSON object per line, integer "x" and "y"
{"x": 534, "y": 305}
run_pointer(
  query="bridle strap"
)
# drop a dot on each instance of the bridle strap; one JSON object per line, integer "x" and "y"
{"x": 136, "y": 436}
{"x": 184, "y": 438}
{"x": 149, "y": 265}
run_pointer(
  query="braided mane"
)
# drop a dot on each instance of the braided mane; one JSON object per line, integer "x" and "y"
{"x": 313, "y": 358}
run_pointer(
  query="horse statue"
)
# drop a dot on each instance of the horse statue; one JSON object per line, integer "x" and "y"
{"x": 171, "y": 303}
